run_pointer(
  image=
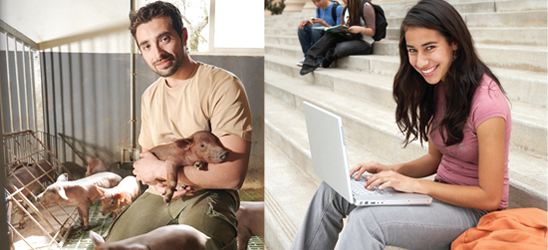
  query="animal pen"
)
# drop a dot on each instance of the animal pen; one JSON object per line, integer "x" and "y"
{"x": 30, "y": 154}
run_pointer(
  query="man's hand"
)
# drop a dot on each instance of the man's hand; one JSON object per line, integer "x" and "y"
{"x": 149, "y": 170}
{"x": 303, "y": 23}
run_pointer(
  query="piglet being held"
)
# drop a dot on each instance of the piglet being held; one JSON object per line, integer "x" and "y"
{"x": 114, "y": 199}
{"x": 199, "y": 149}
{"x": 80, "y": 193}
{"x": 172, "y": 237}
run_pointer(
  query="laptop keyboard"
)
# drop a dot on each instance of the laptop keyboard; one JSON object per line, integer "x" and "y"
{"x": 359, "y": 189}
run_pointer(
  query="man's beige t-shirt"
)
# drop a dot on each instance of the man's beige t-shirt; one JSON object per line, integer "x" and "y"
{"x": 210, "y": 95}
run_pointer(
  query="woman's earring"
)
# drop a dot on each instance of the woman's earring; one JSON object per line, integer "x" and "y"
{"x": 454, "y": 54}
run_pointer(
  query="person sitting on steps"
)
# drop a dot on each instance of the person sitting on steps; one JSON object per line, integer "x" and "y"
{"x": 328, "y": 14}
{"x": 356, "y": 40}
{"x": 445, "y": 96}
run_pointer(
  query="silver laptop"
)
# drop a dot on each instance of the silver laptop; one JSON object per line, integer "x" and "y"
{"x": 328, "y": 150}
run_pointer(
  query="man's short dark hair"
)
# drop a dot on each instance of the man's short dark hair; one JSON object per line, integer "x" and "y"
{"x": 155, "y": 10}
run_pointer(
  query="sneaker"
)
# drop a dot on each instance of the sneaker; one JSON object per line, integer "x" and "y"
{"x": 300, "y": 62}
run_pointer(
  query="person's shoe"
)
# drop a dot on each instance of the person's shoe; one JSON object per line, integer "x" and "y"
{"x": 307, "y": 69}
{"x": 326, "y": 63}
{"x": 300, "y": 62}
{"x": 329, "y": 58}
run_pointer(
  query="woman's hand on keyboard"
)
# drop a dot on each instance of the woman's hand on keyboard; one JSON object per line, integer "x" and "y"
{"x": 392, "y": 179}
{"x": 370, "y": 167}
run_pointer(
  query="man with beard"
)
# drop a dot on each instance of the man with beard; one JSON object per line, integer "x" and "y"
{"x": 188, "y": 97}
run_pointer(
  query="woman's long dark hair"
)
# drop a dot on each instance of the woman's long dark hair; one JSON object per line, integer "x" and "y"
{"x": 415, "y": 97}
{"x": 354, "y": 9}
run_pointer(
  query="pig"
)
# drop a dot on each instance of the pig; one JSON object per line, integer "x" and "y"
{"x": 96, "y": 165}
{"x": 250, "y": 222}
{"x": 114, "y": 199}
{"x": 80, "y": 193}
{"x": 25, "y": 174}
{"x": 199, "y": 149}
{"x": 171, "y": 237}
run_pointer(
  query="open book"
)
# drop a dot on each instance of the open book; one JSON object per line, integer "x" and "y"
{"x": 332, "y": 28}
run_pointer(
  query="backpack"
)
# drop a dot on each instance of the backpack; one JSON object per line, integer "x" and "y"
{"x": 380, "y": 21}
{"x": 333, "y": 12}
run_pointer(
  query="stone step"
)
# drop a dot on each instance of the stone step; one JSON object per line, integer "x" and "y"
{"x": 531, "y": 36}
{"x": 400, "y": 8}
{"x": 472, "y": 18}
{"x": 377, "y": 132}
{"x": 520, "y": 57}
{"x": 523, "y": 86}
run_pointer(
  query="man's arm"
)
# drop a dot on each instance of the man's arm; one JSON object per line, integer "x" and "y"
{"x": 227, "y": 175}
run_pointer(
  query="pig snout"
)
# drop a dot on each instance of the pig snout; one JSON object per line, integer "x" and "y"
{"x": 217, "y": 155}
{"x": 223, "y": 155}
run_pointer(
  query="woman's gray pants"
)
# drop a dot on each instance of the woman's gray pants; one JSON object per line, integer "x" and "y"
{"x": 432, "y": 226}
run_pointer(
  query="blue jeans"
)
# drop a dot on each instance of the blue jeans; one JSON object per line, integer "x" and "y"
{"x": 432, "y": 226}
{"x": 309, "y": 36}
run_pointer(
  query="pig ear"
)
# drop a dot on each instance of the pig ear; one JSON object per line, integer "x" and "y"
{"x": 96, "y": 238}
{"x": 63, "y": 177}
{"x": 62, "y": 193}
{"x": 121, "y": 196}
{"x": 183, "y": 143}
{"x": 100, "y": 190}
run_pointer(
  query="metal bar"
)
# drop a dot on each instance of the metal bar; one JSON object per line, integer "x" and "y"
{"x": 9, "y": 80}
{"x": 27, "y": 101}
{"x": 30, "y": 216}
{"x": 20, "y": 108}
{"x": 131, "y": 88}
{"x": 31, "y": 73}
{"x": 39, "y": 112}
{"x": 8, "y": 29}
{"x": 21, "y": 236}
{"x": 2, "y": 95}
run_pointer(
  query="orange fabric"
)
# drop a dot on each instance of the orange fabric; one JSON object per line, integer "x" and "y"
{"x": 521, "y": 228}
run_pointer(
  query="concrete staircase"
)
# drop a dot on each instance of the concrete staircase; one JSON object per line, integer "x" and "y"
{"x": 510, "y": 37}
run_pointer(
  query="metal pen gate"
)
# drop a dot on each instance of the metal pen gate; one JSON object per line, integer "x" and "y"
{"x": 30, "y": 165}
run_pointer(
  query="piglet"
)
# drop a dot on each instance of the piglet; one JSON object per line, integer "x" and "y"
{"x": 80, "y": 193}
{"x": 250, "y": 222}
{"x": 96, "y": 165}
{"x": 171, "y": 237}
{"x": 199, "y": 149}
{"x": 114, "y": 199}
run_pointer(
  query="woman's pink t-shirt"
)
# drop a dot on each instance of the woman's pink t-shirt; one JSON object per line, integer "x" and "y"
{"x": 459, "y": 163}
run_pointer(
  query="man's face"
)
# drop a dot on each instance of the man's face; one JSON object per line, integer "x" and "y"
{"x": 161, "y": 46}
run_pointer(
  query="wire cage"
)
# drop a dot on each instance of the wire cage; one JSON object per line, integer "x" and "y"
{"x": 30, "y": 165}
{"x": 30, "y": 168}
